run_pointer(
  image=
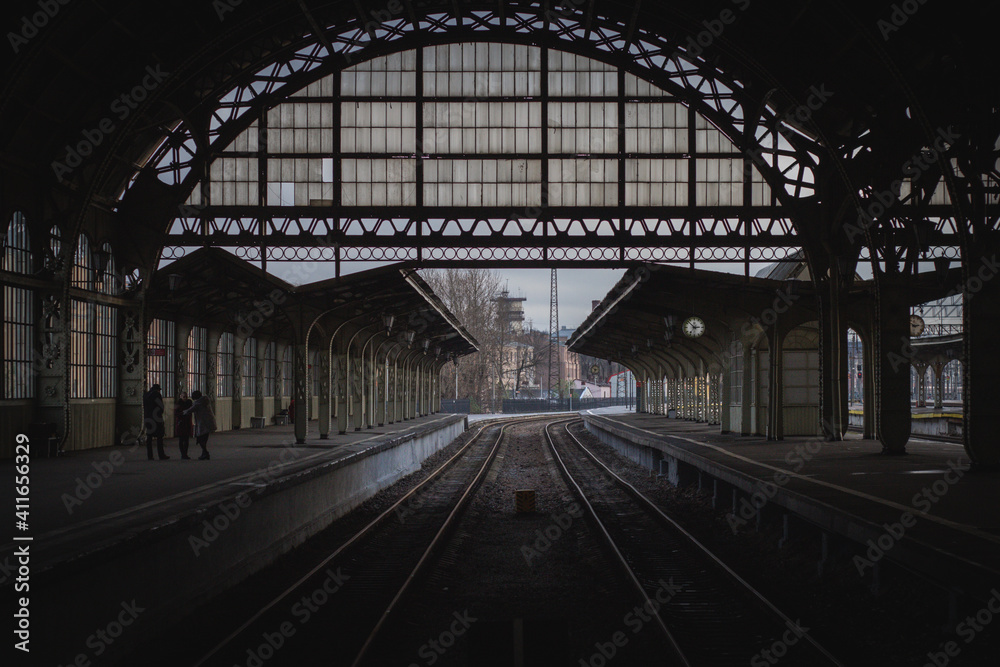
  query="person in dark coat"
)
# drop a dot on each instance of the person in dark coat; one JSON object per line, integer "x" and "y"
{"x": 152, "y": 412}
{"x": 204, "y": 421}
{"x": 182, "y": 423}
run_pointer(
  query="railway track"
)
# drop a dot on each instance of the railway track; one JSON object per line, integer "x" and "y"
{"x": 333, "y": 613}
{"x": 709, "y": 614}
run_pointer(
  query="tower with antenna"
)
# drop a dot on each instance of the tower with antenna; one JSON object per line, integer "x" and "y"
{"x": 554, "y": 338}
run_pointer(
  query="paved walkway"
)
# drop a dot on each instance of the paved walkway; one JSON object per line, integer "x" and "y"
{"x": 94, "y": 498}
{"x": 953, "y": 508}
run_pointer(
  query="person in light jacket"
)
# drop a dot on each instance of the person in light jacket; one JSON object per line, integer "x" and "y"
{"x": 204, "y": 421}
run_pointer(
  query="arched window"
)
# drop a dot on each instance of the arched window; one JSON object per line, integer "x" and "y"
{"x": 109, "y": 281}
{"x": 249, "y": 367}
{"x": 161, "y": 355}
{"x": 84, "y": 273}
{"x": 93, "y": 331}
{"x": 197, "y": 359}
{"x": 17, "y": 247}
{"x": 270, "y": 369}
{"x": 287, "y": 388}
{"x": 55, "y": 246}
{"x": 93, "y": 350}
{"x": 18, "y": 313}
{"x": 224, "y": 386}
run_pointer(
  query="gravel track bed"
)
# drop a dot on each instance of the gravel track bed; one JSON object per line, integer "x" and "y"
{"x": 548, "y": 569}
{"x": 898, "y": 627}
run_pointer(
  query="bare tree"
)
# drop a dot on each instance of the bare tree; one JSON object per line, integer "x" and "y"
{"x": 470, "y": 295}
{"x": 507, "y": 354}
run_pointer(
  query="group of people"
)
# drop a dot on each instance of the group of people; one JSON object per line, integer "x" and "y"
{"x": 197, "y": 409}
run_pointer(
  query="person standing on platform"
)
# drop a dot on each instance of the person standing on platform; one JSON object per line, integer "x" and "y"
{"x": 182, "y": 423}
{"x": 204, "y": 421}
{"x": 152, "y": 412}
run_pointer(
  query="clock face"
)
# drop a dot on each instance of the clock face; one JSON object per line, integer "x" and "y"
{"x": 595, "y": 369}
{"x": 916, "y": 325}
{"x": 693, "y": 327}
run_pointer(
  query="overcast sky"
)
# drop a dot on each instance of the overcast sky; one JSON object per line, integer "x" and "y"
{"x": 577, "y": 288}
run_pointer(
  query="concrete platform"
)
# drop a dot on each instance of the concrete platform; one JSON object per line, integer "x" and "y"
{"x": 108, "y": 526}
{"x": 925, "y": 511}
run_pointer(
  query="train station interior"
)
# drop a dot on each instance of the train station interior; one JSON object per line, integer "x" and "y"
{"x": 243, "y": 199}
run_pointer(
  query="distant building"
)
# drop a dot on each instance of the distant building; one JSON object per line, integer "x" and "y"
{"x": 511, "y": 310}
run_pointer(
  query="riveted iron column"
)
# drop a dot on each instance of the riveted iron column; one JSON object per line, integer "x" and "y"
{"x": 892, "y": 366}
{"x": 833, "y": 358}
{"x": 300, "y": 381}
{"x": 239, "y": 344}
{"x": 981, "y": 394}
{"x": 323, "y": 359}
{"x": 132, "y": 371}
{"x": 776, "y": 388}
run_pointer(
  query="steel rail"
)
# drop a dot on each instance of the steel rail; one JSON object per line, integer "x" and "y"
{"x": 655, "y": 510}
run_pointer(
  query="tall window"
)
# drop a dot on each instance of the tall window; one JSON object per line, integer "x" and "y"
{"x": 18, "y": 314}
{"x": 109, "y": 282}
{"x": 286, "y": 373}
{"x": 486, "y": 125}
{"x": 197, "y": 359}
{"x": 55, "y": 244}
{"x": 84, "y": 274}
{"x": 225, "y": 370}
{"x": 270, "y": 369}
{"x": 93, "y": 350}
{"x": 93, "y": 332}
{"x": 106, "y": 364}
{"x": 161, "y": 355}
{"x": 249, "y": 367}
{"x": 736, "y": 373}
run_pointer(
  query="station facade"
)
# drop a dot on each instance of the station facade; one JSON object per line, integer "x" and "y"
{"x": 504, "y": 134}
